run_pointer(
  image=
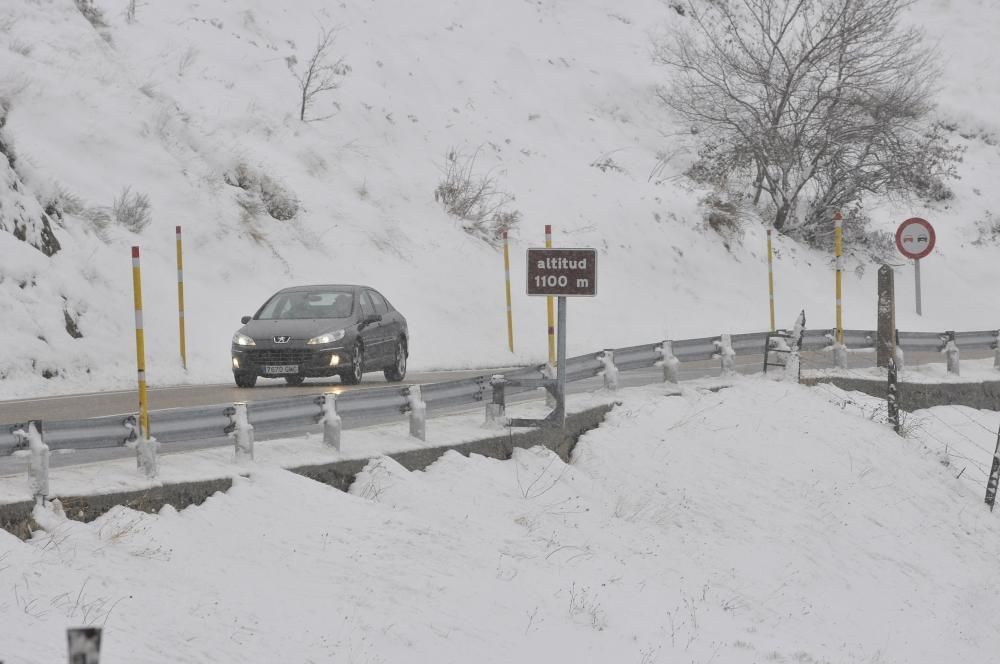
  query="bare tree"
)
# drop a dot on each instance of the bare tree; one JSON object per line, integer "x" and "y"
{"x": 321, "y": 73}
{"x": 807, "y": 101}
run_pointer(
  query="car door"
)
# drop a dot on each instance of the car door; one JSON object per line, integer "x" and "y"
{"x": 389, "y": 325}
{"x": 371, "y": 334}
{"x": 398, "y": 320}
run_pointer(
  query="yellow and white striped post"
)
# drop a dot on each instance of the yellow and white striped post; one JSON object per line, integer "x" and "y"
{"x": 180, "y": 299}
{"x": 770, "y": 277}
{"x": 506, "y": 276}
{"x": 549, "y": 305}
{"x": 140, "y": 351}
{"x": 838, "y": 250}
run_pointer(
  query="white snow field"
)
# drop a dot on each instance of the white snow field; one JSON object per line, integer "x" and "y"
{"x": 192, "y": 96}
{"x": 765, "y": 522}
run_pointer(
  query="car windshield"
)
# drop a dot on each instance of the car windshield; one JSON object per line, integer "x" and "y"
{"x": 308, "y": 304}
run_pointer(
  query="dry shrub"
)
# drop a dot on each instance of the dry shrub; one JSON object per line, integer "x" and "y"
{"x": 92, "y": 13}
{"x": 263, "y": 193}
{"x": 475, "y": 199}
{"x": 726, "y": 213}
{"x": 132, "y": 210}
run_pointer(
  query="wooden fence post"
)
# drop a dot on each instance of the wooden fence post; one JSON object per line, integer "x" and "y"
{"x": 892, "y": 400}
{"x": 885, "y": 343}
{"x": 991, "y": 484}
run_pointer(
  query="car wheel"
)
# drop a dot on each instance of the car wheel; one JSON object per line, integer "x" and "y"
{"x": 397, "y": 371}
{"x": 295, "y": 380}
{"x": 353, "y": 375}
{"x": 245, "y": 379}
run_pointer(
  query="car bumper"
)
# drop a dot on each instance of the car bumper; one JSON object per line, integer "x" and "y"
{"x": 276, "y": 363}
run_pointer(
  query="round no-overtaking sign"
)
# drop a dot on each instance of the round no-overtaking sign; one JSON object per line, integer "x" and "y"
{"x": 915, "y": 238}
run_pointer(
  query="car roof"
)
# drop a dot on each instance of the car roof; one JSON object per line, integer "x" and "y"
{"x": 316, "y": 287}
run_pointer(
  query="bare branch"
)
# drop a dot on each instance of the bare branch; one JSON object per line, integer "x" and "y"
{"x": 320, "y": 73}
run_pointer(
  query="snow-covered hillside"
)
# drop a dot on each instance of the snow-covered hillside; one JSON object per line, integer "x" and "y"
{"x": 556, "y": 100}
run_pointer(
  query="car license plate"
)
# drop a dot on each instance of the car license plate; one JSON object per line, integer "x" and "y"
{"x": 281, "y": 369}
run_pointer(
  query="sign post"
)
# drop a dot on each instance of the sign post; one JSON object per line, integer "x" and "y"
{"x": 915, "y": 239}
{"x": 770, "y": 277}
{"x": 558, "y": 273}
{"x": 838, "y": 252}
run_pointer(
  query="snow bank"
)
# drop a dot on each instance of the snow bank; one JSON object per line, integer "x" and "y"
{"x": 702, "y": 527}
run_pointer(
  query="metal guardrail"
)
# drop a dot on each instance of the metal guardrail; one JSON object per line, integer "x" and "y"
{"x": 91, "y": 433}
{"x": 275, "y": 415}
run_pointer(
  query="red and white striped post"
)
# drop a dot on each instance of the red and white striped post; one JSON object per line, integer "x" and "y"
{"x": 180, "y": 298}
{"x": 140, "y": 350}
{"x": 506, "y": 276}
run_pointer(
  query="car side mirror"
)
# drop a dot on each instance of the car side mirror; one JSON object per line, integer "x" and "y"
{"x": 246, "y": 319}
{"x": 368, "y": 320}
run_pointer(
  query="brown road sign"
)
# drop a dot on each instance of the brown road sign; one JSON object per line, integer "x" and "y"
{"x": 562, "y": 272}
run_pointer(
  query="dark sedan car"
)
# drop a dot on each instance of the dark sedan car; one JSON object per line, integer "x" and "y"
{"x": 308, "y": 331}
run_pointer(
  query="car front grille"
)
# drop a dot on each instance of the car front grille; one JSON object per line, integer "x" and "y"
{"x": 283, "y": 356}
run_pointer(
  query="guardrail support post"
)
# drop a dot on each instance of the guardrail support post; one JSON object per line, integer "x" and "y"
{"x": 610, "y": 371}
{"x": 839, "y": 356}
{"x": 38, "y": 467}
{"x": 728, "y": 356}
{"x": 549, "y": 371}
{"x": 996, "y": 351}
{"x": 839, "y": 350}
{"x": 951, "y": 353}
{"x": 418, "y": 413}
{"x": 331, "y": 421}
{"x": 242, "y": 433}
{"x": 496, "y": 411}
{"x": 669, "y": 363}
{"x": 146, "y": 449}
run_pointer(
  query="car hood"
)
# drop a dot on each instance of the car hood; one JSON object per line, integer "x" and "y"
{"x": 264, "y": 331}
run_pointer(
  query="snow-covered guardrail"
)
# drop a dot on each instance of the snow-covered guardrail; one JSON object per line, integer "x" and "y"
{"x": 357, "y": 407}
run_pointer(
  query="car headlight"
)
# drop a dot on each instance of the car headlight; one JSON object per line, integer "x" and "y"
{"x": 327, "y": 338}
{"x": 240, "y": 339}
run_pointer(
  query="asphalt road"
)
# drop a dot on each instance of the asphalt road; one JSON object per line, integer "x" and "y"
{"x": 96, "y": 404}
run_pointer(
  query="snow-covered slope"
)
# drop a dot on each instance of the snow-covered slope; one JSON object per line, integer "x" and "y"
{"x": 713, "y": 527}
{"x": 190, "y": 97}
